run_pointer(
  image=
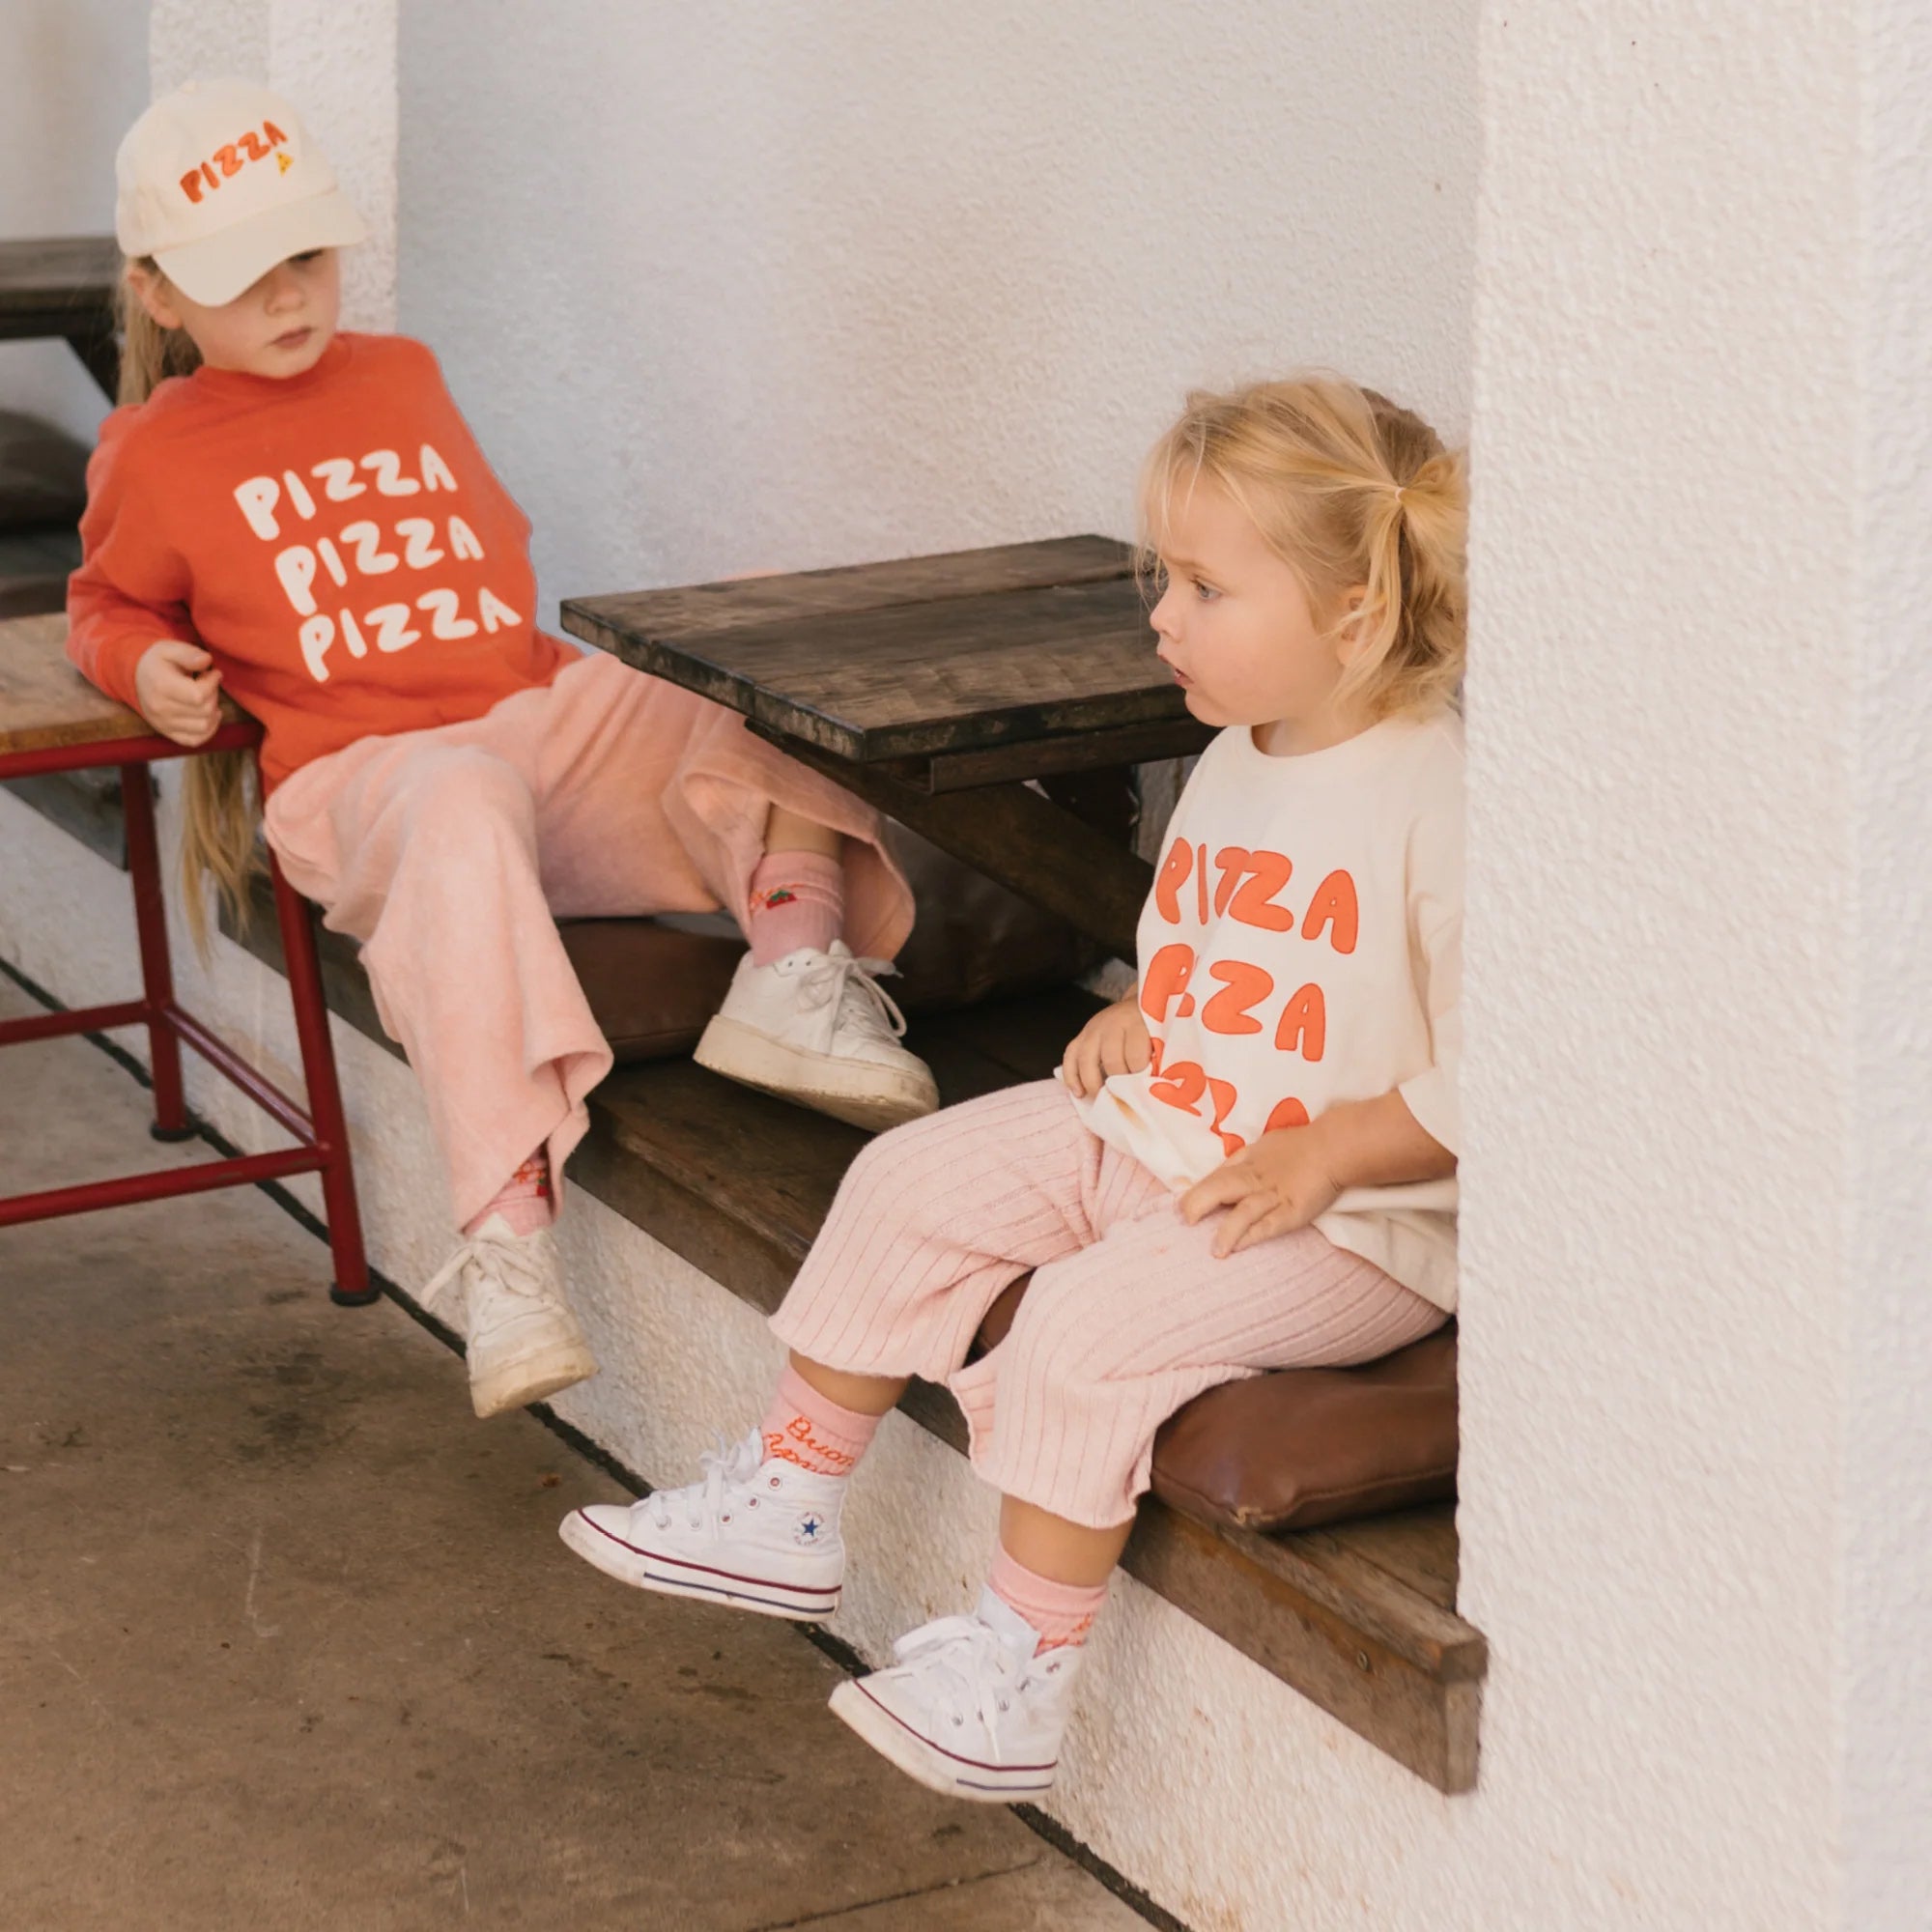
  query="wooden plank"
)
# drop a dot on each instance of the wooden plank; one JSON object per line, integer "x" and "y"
{"x": 1385, "y": 1661}
{"x": 97, "y": 345}
{"x": 45, "y": 701}
{"x": 1050, "y": 757}
{"x": 954, "y": 673}
{"x": 1353, "y": 1616}
{"x": 703, "y": 610}
{"x": 53, "y": 277}
{"x": 67, "y": 287}
{"x": 1418, "y": 1546}
{"x": 1013, "y": 835}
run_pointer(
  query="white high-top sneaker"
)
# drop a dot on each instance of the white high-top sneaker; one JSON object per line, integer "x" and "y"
{"x": 817, "y": 1028}
{"x": 520, "y": 1340}
{"x": 972, "y": 1708}
{"x": 756, "y": 1532}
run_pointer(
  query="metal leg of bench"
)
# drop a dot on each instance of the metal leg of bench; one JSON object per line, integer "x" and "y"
{"x": 351, "y": 1288}
{"x": 150, "y": 928}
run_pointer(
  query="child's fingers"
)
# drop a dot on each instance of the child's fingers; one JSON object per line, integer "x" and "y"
{"x": 185, "y": 657}
{"x": 1073, "y": 1068}
{"x": 1236, "y": 1222}
{"x": 1251, "y": 1222}
{"x": 1076, "y": 1065}
{"x": 1227, "y": 1185}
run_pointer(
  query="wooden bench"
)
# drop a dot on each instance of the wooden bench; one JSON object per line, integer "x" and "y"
{"x": 52, "y": 720}
{"x": 1360, "y": 1616}
{"x": 978, "y": 697}
{"x": 65, "y": 286}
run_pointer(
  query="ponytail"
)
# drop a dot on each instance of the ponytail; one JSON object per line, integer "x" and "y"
{"x": 220, "y": 806}
{"x": 1360, "y": 498}
{"x": 1416, "y": 611}
{"x": 148, "y": 352}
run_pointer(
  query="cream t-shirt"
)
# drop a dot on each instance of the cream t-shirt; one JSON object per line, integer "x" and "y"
{"x": 1302, "y": 945}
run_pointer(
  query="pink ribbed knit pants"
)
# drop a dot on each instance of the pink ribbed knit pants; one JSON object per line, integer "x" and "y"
{"x": 449, "y": 853}
{"x": 1128, "y": 1314}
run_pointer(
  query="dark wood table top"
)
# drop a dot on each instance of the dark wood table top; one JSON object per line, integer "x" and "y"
{"x": 923, "y": 658}
{"x": 60, "y": 281}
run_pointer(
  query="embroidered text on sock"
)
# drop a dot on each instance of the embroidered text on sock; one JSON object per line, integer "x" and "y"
{"x": 802, "y": 1426}
{"x": 524, "y": 1200}
{"x": 1063, "y": 1613}
{"x": 797, "y": 900}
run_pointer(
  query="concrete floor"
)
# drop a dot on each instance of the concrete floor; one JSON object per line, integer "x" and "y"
{"x": 287, "y": 1637}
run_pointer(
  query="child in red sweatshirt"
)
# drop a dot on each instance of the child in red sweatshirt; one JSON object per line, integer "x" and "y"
{"x": 300, "y": 516}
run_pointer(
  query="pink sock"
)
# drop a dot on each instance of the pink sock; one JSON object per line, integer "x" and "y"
{"x": 1061, "y": 1612}
{"x": 798, "y": 899}
{"x": 524, "y": 1201}
{"x": 812, "y": 1430}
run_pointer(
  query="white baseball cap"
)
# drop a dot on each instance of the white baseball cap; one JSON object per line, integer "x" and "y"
{"x": 219, "y": 181}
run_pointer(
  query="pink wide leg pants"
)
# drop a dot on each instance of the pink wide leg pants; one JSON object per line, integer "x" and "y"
{"x": 1128, "y": 1314}
{"x": 449, "y": 853}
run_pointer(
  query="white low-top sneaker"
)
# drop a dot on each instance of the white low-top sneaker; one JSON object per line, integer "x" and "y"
{"x": 756, "y": 1532}
{"x": 972, "y": 1708}
{"x": 817, "y": 1028}
{"x": 520, "y": 1340}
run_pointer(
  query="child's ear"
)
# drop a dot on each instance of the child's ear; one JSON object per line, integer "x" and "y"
{"x": 1352, "y": 627}
{"x": 149, "y": 292}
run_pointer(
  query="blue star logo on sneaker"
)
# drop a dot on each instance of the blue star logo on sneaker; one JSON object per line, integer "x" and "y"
{"x": 809, "y": 1528}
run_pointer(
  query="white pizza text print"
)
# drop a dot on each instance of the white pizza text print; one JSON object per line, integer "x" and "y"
{"x": 369, "y": 543}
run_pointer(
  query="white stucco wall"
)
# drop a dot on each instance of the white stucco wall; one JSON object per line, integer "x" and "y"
{"x": 73, "y": 75}
{"x": 1884, "y": 1528}
{"x": 336, "y": 61}
{"x": 786, "y": 284}
{"x": 1699, "y": 1085}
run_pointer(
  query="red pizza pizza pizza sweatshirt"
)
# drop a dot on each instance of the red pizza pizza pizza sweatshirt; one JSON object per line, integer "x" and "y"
{"x": 1302, "y": 946}
{"x": 335, "y": 541}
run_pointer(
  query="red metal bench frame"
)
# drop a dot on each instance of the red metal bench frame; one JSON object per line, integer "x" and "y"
{"x": 320, "y": 1134}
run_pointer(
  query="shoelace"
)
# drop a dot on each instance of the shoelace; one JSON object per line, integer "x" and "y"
{"x": 844, "y": 980}
{"x": 976, "y": 1672}
{"x": 503, "y": 1256}
{"x": 704, "y": 1500}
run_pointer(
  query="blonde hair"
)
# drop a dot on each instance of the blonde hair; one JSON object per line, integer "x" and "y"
{"x": 220, "y": 806}
{"x": 1352, "y": 492}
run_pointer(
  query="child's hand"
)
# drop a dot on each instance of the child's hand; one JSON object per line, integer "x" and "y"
{"x": 1274, "y": 1185}
{"x": 1115, "y": 1040}
{"x": 178, "y": 691}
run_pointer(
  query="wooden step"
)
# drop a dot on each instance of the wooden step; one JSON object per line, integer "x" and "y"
{"x": 1359, "y": 1617}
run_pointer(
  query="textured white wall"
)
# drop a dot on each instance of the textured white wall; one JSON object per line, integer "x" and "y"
{"x": 1694, "y": 1220}
{"x": 73, "y": 75}
{"x": 786, "y": 284}
{"x": 1886, "y": 1502}
{"x": 336, "y": 61}
{"x": 775, "y": 286}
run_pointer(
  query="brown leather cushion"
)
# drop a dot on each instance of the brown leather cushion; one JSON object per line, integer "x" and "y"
{"x": 42, "y": 474}
{"x": 1296, "y": 1447}
{"x": 653, "y": 986}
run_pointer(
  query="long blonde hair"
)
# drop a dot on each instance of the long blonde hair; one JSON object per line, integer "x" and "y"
{"x": 220, "y": 806}
{"x": 1351, "y": 492}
